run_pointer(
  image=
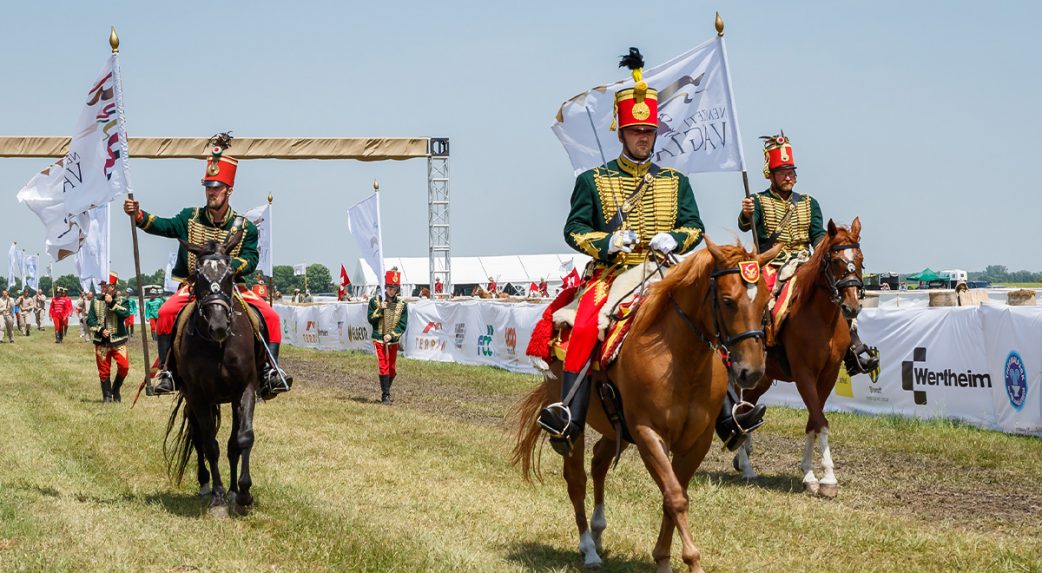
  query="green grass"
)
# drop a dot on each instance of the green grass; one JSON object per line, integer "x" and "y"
{"x": 346, "y": 485}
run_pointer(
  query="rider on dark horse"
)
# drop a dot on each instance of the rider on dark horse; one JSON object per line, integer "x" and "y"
{"x": 196, "y": 225}
{"x": 793, "y": 219}
{"x": 621, "y": 211}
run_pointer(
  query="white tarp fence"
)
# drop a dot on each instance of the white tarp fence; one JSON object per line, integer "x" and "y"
{"x": 518, "y": 269}
{"x": 982, "y": 365}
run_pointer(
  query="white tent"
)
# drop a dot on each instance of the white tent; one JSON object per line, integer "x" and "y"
{"x": 517, "y": 269}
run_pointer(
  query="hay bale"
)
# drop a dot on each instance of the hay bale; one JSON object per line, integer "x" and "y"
{"x": 943, "y": 298}
{"x": 1022, "y": 297}
{"x": 972, "y": 297}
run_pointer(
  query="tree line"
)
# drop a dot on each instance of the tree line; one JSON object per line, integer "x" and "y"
{"x": 1000, "y": 274}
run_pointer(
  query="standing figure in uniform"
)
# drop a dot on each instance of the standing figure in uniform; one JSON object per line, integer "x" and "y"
{"x": 61, "y": 310}
{"x": 41, "y": 303}
{"x": 197, "y": 225}
{"x": 132, "y": 305}
{"x": 781, "y": 215}
{"x": 107, "y": 320}
{"x": 7, "y": 316}
{"x": 619, "y": 212}
{"x": 152, "y": 306}
{"x": 259, "y": 288}
{"x": 493, "y": 288}
{"x": 389, "y": 316}
{"x": 27, "y": 307}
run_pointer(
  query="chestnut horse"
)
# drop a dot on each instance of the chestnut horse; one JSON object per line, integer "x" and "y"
{"x": 672, "y": 381}
{"x": 812, "y": 343}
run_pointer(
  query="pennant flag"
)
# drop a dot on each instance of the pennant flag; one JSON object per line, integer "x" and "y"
{"x": 32, "y": 262}
{"x": 261, "y": 216}
{"x": 344, "y": 280}
{"x": 698, "y": 126}
{"x": 300, "y": 270}
{"x": 14, "y": 264}
{"x": 363, "y": 220}
{"x": 533, "y": 288}
{"x": 92, "y": 260}
{"x": 169, "y": 284}
{"x": 571, "y": 279}
{"x": 93, "y": 172}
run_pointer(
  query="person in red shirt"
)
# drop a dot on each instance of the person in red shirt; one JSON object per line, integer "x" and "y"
{"x": 439, "y": 287}
{"x": 492, "y": 288}
{"x": 61, "y": 309}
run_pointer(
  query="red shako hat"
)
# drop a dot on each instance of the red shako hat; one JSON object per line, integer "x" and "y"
{"x": 393, "y": 278}
{"x": 220, "y": 168}
{"x": 637, "y": 105}
{"x": 777, "y": 153}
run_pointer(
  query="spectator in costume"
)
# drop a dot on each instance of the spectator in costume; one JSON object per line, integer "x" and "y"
{"x": 389, "y": 316}
{"x": 107, "y": 319}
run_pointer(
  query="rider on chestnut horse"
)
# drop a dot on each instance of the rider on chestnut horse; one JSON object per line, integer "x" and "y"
{"x": 793, "y": 219}
{"x": 620, "y": 211}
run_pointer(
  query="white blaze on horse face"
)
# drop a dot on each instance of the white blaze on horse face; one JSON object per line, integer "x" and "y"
{"x": 750, "y": 291}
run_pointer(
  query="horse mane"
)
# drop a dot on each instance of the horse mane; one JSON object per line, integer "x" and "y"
{"x": 696, "y": 267}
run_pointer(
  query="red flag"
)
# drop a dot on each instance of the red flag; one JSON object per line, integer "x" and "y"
{"x": 344, "y": 280}
{"x": 533, "y": 288}
{"x": 571, "y": 279}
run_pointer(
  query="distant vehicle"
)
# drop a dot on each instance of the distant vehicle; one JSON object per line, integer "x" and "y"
{"x": 876, "y": 281}
{"x": 149, "y": 290}
{"x": 954, "y": 277}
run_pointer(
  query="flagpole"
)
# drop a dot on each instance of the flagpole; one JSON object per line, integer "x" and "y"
{"x": 271, "y": 256}
{"x": 380, "y": 273}
{"x": 125, "y": 148}
{"x": 734, "y": 111}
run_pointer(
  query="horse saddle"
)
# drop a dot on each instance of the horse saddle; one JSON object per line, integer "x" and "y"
{"x": 180, "y": 323}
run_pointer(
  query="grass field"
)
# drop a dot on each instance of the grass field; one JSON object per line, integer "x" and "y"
{"x": 345, "y": 484}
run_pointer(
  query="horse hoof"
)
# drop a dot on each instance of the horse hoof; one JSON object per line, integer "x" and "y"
{"x": 828, "y": 490}
{"x": 219, "y": 511}
{"x": 205, "y": 490}
{"x": 811, "y": 487}
{"x": 734, "y": 463}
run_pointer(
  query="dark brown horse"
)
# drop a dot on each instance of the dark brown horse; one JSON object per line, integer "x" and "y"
{"x": 672, "y": 381}
{"x": 812, "y": 343}
{"x": 218, "y": 361}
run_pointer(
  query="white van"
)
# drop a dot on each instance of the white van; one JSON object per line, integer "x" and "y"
{"x": 955, "y": 276}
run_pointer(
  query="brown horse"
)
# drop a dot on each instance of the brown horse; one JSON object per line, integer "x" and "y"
{"x": 813, "y": 342}
{"x": 482, "y": 293}
{"x": 672, "y": 381}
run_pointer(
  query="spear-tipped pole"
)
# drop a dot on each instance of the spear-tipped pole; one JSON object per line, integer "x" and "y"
{"x": 146, "y": 383}
{"x": 271, "y": 279}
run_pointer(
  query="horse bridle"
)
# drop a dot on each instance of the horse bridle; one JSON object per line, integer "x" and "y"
{"x": 850, "y": 279}
{"x": 723, "y": 342}
{"x": 216, "y": 296}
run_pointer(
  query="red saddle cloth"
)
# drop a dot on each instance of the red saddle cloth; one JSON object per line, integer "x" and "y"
{"x": 782, "y": 304}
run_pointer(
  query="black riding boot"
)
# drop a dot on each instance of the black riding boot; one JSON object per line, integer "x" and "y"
{"x": 166, "y": 378}
{"x": 733, "y": 428}
{"x": 272, "y": 384}
{"x": 116, "y": 385}
{"x": 106, "y": 390}
{"x": 860, "y": 358}
{"x": 385, "y": 389}
{"x": 566, "y": 422}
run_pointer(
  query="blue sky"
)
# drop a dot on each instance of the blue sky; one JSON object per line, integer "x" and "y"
{"x": 920, "y": 117}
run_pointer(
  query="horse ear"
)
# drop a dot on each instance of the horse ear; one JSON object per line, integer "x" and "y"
{"x": 713, "y": 249}
{"x": 770, "y": 254}
{"x": 196, "y": 250}
{"x": 231, "y": 240}
{"x": 832, "y": 228}
{"x": 855, "y": 227}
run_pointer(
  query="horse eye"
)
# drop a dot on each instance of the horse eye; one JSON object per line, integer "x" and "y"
{"x": 729, "y": 303}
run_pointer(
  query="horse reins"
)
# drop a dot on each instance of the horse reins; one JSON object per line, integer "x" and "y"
{"x": 216, "y": 297}
{"x": 722, "y": 340}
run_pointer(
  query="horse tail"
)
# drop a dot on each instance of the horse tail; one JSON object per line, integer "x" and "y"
{"x": 178, "y": 451}
{"x": 529, "y": 432}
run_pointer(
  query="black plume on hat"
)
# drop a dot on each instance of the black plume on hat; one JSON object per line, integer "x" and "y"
{"x": 222, "y": 140}
{"x": 632, "y": 60}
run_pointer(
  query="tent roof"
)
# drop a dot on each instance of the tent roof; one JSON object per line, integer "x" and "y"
{"x": 518, "y": 269}
{"x": 926, "y": 275}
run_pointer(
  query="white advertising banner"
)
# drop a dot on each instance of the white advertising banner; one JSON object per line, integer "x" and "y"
{"x": 982, "y": 365}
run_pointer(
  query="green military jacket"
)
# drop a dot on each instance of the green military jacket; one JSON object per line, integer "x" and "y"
{"x": 193, "y": 225}
{"x": 101, "y": 315}
{"x": 391, "y": 321}
{"x": 152, "y": 307}
{"x": 666, "y": 206}
{"x": 803, "y": 230}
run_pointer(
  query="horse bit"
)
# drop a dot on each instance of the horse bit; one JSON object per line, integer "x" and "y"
{"x": 851, "y": 279}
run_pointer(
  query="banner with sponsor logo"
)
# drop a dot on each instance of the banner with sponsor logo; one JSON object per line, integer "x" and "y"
{"x": 698, "y": 125}
{"x": 982, "y": 365}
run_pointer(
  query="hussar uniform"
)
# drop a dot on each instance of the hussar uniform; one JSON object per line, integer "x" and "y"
{"x": 392, "y": 321}
{"x": 625, "y": 200}
{"x": 794, "y": 221}
{"x": 60, "y": 311}
{"x": 194, "y": 225}
{"x": 111, "y": 317}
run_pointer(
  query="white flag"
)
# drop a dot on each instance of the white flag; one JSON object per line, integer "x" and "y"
{"x": 92, "y": 260}
{"x": 300, "y": 270}
{"x": 169, "y": 284}
{"x": 261, "y": 216}
{"x": 363, "y": 220}
{"x": 567, "y": 266}
{"x": 698, "y": 126}
{"x": 92, "y": 173}
{"x": 14, "y": 264}
{"x": 32, "y": 263}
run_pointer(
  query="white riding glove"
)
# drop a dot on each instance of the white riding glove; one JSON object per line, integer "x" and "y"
{"x": 663, "y": 243}
{"x": 622, "y": 241}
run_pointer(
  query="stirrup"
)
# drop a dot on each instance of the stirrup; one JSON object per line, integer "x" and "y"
{"x": 166, "y": 384}
{"x": 751, "y": 408}
{"x": 549, "y": 414}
